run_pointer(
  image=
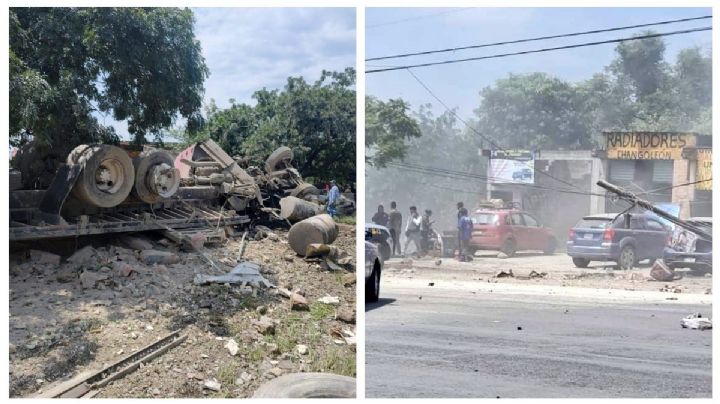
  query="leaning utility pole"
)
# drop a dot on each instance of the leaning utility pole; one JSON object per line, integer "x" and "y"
{"x": 634, "y": 200}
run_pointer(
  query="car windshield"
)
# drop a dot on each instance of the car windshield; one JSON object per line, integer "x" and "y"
{"x": 593, "y": 223}
{"x": 484, "y": 218}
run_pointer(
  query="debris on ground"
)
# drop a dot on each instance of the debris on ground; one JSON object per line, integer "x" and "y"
{"x": 671, "y": 289}
{"x": 661, "y": 272}
{"x": 438, "y": 262}
{"x": 504, "y": 274}
{"x": 244, "y": 273}
{"x": 331, "y": 300}
{"x": 696, "y": 321}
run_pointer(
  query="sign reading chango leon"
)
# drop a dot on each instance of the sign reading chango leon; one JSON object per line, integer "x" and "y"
{"x": 647, "y": 145}
{"x": 704, "y": 169}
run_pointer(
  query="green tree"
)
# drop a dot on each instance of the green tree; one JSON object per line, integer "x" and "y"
{"x": 388, "y": 125}
{"x": 142, "y": 65}
{"x": 534, "y": 111}
{"x": 316, "y": 120}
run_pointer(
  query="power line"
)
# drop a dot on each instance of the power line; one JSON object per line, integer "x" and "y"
{"x": 580, "y": 45}
{"x": 419, "y": 17}
{"x": 488, "y": 139}
{"x": 541, "y": 38}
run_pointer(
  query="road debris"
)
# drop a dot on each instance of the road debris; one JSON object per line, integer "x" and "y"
{"x": 661, "y": 272}
{"x": 320, "y": 229}
{"x": 504, "y": 274}
{"x": 696, "y": 321}
{"x": 232, "y": 347}
{"x": 671, "y": 288}
{"x": 331, "y": 300}
{"x": 245, "y": 273}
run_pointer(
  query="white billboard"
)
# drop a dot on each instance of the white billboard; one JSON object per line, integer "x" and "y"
{"x": 516, "y": 167}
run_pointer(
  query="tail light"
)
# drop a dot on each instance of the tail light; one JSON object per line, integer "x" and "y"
{"x": 571, "y": 234}
{"x": 608, "y": 234}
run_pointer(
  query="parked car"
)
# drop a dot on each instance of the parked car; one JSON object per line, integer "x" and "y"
{"x": 686, "y": 250}
{"x": 522, "y": 175}
{"x": 510, "y": 230}
{"x": 380, "y": 236}
{"x": 627, "y": 239}
{"x": 373, "y": 269}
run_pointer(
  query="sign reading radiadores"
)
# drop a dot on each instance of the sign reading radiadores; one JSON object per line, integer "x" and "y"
{"x": 647, "y": 145}
{"x": 704, "y": 169}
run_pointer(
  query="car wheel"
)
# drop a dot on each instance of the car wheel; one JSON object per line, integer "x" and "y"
{"x": 581, "y": 262}
{"x": 550, "y": 247}
{"x": 508, "y": 247}
{"x": 107, "y": 177}
{"x": 280, "y": 155}
{"x": 308, "y": 385}
{"x": 372, "y": 285}
{"x": 627, "y": 259}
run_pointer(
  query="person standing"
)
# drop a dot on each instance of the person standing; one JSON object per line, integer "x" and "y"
{"x": 412, "y": 231}
{"x": 380, "y": 217}
{"x": 395, "y": 227}
{"x": 425, "y": 225}
{"x": 460, "y": 207}
{"x": 465, "y": 226}
{"x": 332, "y": 200}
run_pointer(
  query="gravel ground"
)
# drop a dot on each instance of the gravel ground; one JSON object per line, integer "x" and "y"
{"x": 58, "y": 328}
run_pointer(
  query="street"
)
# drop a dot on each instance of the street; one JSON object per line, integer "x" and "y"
{"x": 474, "y": 339}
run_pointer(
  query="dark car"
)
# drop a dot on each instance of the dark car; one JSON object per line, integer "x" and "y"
{"x": 686, "y": 250}
{"x": 373, "y": 269}
{"x": 380, "y": 236}
{"x": 509, "y": 230}
{"x": 626, "y": 239}
{"x": 521, "y": 175}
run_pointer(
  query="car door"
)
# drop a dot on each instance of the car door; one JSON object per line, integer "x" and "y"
{"x": 519, "y": 231}
{"x": 657, "y": 236}
{"x": 640, "y": 235}
{"x": 536, "y": 239}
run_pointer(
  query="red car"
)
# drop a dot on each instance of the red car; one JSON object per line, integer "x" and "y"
{"x": 510, "y": 230}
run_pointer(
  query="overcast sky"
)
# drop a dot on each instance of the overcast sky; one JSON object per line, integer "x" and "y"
{"x": 247, "y": 49}
{"x": 395, "y": 30}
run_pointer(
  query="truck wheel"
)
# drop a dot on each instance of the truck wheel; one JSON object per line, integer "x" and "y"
{"x": 281, "y": 154}
{"x": 155, "y": 177}
{"x": 308, "y": 385}
{"x": 508, "y": 247}
{"x": 372, "y": 285}
{"x": 304, "y": 189}
{"x": 581, "y": 262}
{"x": 627, "y": 259}
{"x": 550, "y": 247}
{"x": 107, "y": 177}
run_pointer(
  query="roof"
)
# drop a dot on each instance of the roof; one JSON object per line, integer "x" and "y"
{"x": 606, "y": 216}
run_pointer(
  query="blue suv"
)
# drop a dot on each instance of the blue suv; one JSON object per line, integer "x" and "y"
{"x": 627, "y": 239}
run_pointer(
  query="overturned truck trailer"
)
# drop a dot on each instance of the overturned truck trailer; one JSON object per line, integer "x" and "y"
{"x": 106, "y": 189}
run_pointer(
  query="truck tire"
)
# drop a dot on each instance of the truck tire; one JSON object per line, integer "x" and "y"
{"x": 308, "y": 385}
{"x": 372, "y": 285}
{"x": 107, "y": 176}
{"x": 581, "y": 262}
{"x": 144, "y": 165}
{"x": 281, "y": 154}
{"x": 627, "y": 259}
{"x": 550, "y": 247}
{"x": 509, "y": 247}
{"x": 304, "y": 189}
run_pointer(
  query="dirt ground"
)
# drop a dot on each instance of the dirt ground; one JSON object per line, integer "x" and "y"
{"x": 549, "y": 270}
{"x": 72, "y": 317}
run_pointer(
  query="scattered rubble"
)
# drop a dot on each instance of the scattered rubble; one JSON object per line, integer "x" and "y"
{"x": 696, "y": 321}
{"x": 44, "y": 257}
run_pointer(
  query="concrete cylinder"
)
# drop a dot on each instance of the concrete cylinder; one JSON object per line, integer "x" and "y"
{"x": 295, "y": 209}
{"x": 320, "y": 229}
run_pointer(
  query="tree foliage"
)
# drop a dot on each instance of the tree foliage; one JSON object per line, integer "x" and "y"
{"x": 142, "y": 65}
{"x": 639, "y": 90}
{"x": 388, "y": 125}
{"x": 316, "y": 120}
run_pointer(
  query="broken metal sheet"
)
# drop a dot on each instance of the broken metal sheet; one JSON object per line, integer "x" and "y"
{"x": 244, "y": 273}
{"x": 696, "y": 321}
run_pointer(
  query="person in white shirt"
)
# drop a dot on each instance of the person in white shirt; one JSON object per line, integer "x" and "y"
{"x": 412, "y": 231}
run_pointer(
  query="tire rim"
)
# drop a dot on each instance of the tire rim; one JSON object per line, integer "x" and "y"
{"x": 110, "y": 176}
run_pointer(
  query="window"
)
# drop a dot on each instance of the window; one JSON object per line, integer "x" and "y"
{"x": 663, "y": 171}
{"x": 484, "y": 218}
{"x": 530, "y": 221}
{"x": 516, "y": 219}
{"x": 654, "y": 225}
{"x": 637, "y": 223}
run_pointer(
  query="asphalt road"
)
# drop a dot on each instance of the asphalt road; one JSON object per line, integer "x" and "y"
{"x": 457, "y": 344}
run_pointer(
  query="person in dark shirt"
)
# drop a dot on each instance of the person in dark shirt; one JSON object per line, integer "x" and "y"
{"x": 460, "y": 207}
{"x": 395, "y": 226}
{"x": 380, "y": 217}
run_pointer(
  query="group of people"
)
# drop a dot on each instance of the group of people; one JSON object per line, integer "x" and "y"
{"x": 418, "y": 229}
